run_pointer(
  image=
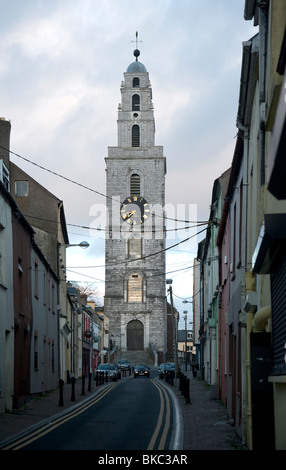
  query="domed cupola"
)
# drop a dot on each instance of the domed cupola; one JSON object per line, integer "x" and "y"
{"x": 136, "y": 67}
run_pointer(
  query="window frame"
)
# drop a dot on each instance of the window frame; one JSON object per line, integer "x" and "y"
{"x": 135, "y": 135}
{"x": 136, "y": 102}
{"x": 136, "y": 82}
{"x": 135, "y": 184}
{"x": 135, "y": 288}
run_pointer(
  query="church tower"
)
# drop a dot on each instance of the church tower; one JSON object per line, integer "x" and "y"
{"x": 135, "y": 298}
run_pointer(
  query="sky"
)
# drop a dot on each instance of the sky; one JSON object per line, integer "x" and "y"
{"x": 61, "y": 66}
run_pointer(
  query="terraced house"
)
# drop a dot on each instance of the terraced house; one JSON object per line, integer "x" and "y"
{"x": 249, "y": 329}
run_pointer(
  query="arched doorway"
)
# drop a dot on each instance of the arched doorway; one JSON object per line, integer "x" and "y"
{"x": 135, "y": 335}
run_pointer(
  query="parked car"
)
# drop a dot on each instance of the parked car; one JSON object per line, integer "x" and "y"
{"x": 123, "y": 364}
{"x": 108, "y": 369}
{"x": 166, "y": 367}
{"x": 141, "y": 370}
{"x": 118, "y": 371}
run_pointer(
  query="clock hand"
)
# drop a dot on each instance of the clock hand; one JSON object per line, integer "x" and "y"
{"x": 131, "y": 213}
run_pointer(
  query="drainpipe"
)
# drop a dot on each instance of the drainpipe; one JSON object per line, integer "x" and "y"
{"x": 249, "y": 320}
{"x": 261, "y": 318}
{"x": 263, "y": 33}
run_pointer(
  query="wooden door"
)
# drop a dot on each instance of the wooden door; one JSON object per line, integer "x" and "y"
{"x": 135, "y": 335}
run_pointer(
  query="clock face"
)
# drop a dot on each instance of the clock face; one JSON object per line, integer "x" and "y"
{"x": 135, "y": 210}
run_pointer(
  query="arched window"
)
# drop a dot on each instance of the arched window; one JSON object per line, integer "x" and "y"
{"x": 135, "y": 136}
{"x": 135, "y": 288}
{"x": 134, "y": 185}
{"x": 136, "y": 82}
{"x": 135, "y": 103}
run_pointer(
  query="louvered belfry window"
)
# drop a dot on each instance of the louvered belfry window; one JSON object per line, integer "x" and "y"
{"x": 134, "y": 248}
{"x": 135, "y": 288}
{"x": 135, "y": 103}
{"x": 136, "y": 82}
{"x": 135, "y": 185}
{"x": 135, "y": 136}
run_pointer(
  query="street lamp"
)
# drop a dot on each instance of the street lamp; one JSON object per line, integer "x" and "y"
{"x": 83, "y": 245}
{"x": 175, "y": 317}
{"x": 185, "y": 318}
{"x": 186, "y": 302}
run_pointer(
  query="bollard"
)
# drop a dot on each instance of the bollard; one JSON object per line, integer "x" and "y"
{"x": 184, "y": 387}
{"x": 73, "y": 389}
{"x": 89, "y": 381}
{"x": 61, "y": 400}
{"x": 180, "y": 382}
{"x": 83, "y": 385}
{"x": 188, "y": 391}
{"x": 96, "y": 378}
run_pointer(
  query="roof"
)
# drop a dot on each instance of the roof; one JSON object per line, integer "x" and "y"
{"x": 182, "y": 336}
{"x": 136, "y": 67}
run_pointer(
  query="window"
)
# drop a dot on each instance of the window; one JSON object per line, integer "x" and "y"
{"x": 134, "y": 248}
{"x": 135, "y": 136}
{"x": 21, "y": 188}
{"x": 4, "y": 175}
{"x": 135, "y": 103}
{"x": 134, "y": 185}
{"x": 135, "y": 291}
{"x": 36, "y": 285}
{"x": 136, "y": 82}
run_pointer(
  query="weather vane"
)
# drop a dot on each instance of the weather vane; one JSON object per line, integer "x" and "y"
{"x": 136, "y": 52}
{"x": 136, "y": 40}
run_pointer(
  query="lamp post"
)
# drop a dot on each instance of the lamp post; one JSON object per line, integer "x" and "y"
{"x": 175, "y": 317}
{"x": 83, "y": 245}
{"x": 192, "y": 363}
{"x": 185, "y": 318}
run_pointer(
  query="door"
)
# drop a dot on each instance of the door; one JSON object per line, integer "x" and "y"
{"x": 135, "y": 335}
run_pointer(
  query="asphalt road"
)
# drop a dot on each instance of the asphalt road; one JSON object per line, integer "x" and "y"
{"x": 131, "y": 414}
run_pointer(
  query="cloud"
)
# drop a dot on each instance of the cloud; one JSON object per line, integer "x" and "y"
{"x": 61, "y": 67}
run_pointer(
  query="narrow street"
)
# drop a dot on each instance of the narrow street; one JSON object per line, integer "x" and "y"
{"x": 131, "y": 414}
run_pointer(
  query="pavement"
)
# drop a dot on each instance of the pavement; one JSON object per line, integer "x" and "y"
{"x": 204, "y": 420}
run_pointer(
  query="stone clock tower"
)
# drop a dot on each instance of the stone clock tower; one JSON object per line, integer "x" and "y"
{"x": 135, "y": 298}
